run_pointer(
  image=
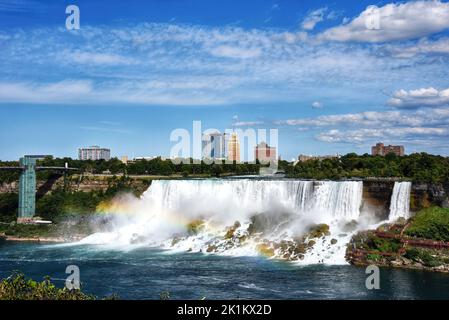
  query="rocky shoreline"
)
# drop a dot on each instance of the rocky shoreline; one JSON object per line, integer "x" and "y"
{"x": 399, "y": 245}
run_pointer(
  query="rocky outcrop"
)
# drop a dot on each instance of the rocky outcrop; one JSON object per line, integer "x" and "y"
{"x": 388, "y": 246}
{"x": 377, "y": 196}
{"x": 82, "y": 183}
{"x": 11, "y": 187}
{"x": 425, "y": 195}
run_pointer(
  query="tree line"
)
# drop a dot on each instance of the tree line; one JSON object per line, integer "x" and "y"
{"x": 421, "y": 167}
{"x": 418, "y": 167}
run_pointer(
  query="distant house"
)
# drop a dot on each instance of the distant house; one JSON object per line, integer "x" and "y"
{"x": 264, "y": 153}
{"x": 304, "y": 158}
{"x": 381, "y": 150}
{"x": 94, "y": 153}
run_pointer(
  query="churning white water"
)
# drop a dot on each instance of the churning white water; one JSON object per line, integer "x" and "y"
{"x": 285, "y": 208}
{"x": 400, "y": 201}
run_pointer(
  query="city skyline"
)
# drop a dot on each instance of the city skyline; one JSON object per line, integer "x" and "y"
{"x": 133, "y": 74}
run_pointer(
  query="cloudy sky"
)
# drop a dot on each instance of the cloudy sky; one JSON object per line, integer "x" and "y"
{"x": 332, "y": 77}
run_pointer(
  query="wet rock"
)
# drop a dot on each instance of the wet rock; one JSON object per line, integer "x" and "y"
{"x": 384, "y": 227}
{"x": 265, "y": 250}
{"x": 334, "y": 241}
{"x": 299, "y": 248}
{"x": 318, "y": 231}
{"x": 194, "y": 227}
{"x": 175, "y": 240}
{"x": 211, "y": 248}
{"x": 229, "y": 234}
{"x": 311, "y": 243}
{"x": 266, "y": 221}
{"x": 242, "y": 239}
{"x": 350, "y": 226}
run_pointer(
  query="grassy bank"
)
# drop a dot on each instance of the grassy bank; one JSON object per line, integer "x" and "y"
{"x": 431, "y": 223}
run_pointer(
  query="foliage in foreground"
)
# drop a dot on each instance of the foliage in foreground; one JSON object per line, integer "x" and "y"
{"x": 18, "y": 287}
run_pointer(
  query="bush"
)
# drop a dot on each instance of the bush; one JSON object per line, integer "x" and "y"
{"x": 385, "y": 245}
{"x": 373, "y": 257}
{"x": 423, "y": 256}
{"x": 18, "y": 287}
{"x": 8, "y": 206}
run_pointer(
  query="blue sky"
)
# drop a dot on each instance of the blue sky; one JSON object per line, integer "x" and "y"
{"x": 137, "y": 70}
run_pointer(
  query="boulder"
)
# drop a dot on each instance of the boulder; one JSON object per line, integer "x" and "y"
{"x": 318, "y": 231}
{"x": 311, "y": 243}
{"x": 195, "y": 226}
{"x": 265, "y": 250}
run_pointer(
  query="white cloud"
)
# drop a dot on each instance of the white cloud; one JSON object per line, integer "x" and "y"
{"x": 185, "y": 64}
{"x": 317, "y": 105}
{"x": 375, "y": 119}
{"x": 97, "y": 58}
{"x": 313, "y": 18}
{"x": 423, "y": 47}
{"x": 235, "y": 52}
{"x": 399, "y": 21}
{"x": 365, "y": 135}
{"x": 63, "y": 91}
{"x": 247, "y": 123}
{"x": 84, "y": 92}
{"x": 424, "y": 97}
{"x": 369, "y": 126}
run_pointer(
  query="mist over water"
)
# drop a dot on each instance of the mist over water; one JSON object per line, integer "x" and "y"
{"x": 283, "y": 210}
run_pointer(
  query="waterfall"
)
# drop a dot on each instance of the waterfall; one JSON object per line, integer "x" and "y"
{"x": 285, "y": 210}
{"x": 327, "y": 199}
{"x": 341, "y": 200}
{"x": 400, "y": 201}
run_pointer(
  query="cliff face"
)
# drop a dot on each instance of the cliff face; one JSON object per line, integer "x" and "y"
{"x": 424, "y": 195}
{"x": 377, "y": 196}
{"x": 74, "y": 183}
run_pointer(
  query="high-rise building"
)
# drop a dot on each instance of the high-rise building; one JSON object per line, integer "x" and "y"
{"x": 214, "y": 145}
{"x": 94, "y": 153}
{"x": 264, "y": 153}
{"x": 381, "y": 150}
{"x": 234, "y": 148}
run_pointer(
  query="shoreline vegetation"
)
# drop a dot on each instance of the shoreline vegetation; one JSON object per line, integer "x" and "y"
{"x": 421, "y": 242}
